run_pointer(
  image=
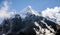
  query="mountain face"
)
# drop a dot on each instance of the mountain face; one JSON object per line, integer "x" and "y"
{"x": 32, "y": 24}
{"x": 36, "y": 24}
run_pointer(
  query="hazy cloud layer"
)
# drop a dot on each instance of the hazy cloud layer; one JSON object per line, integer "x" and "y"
{"x": 53, "y": 13}
{"x": 4, "y": 10}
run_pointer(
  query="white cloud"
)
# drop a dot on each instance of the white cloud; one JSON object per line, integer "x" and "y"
{"x": 52, "y": 13}
{"x": 4, "y": 10}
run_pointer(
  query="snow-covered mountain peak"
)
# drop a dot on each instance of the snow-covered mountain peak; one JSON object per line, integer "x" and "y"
{"x": 28, "y": 11}
{"x": 29, "y": 6}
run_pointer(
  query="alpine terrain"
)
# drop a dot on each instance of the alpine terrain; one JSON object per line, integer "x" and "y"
{"x": 29, "y": 22}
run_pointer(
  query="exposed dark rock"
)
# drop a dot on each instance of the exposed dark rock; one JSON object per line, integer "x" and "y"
{"x": 15, "y": 26}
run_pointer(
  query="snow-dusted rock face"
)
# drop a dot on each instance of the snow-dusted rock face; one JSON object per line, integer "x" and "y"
{"x": 44, "y": 31}
{"x": 46, "y": 27}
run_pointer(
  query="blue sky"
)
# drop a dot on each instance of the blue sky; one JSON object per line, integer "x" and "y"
{"x": 18, "y": 5}
{"x": 36, "y": 4}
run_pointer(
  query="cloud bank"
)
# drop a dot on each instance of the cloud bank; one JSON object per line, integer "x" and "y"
{"x": 4, "y": 10}
{"x": 53, "y": 13}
